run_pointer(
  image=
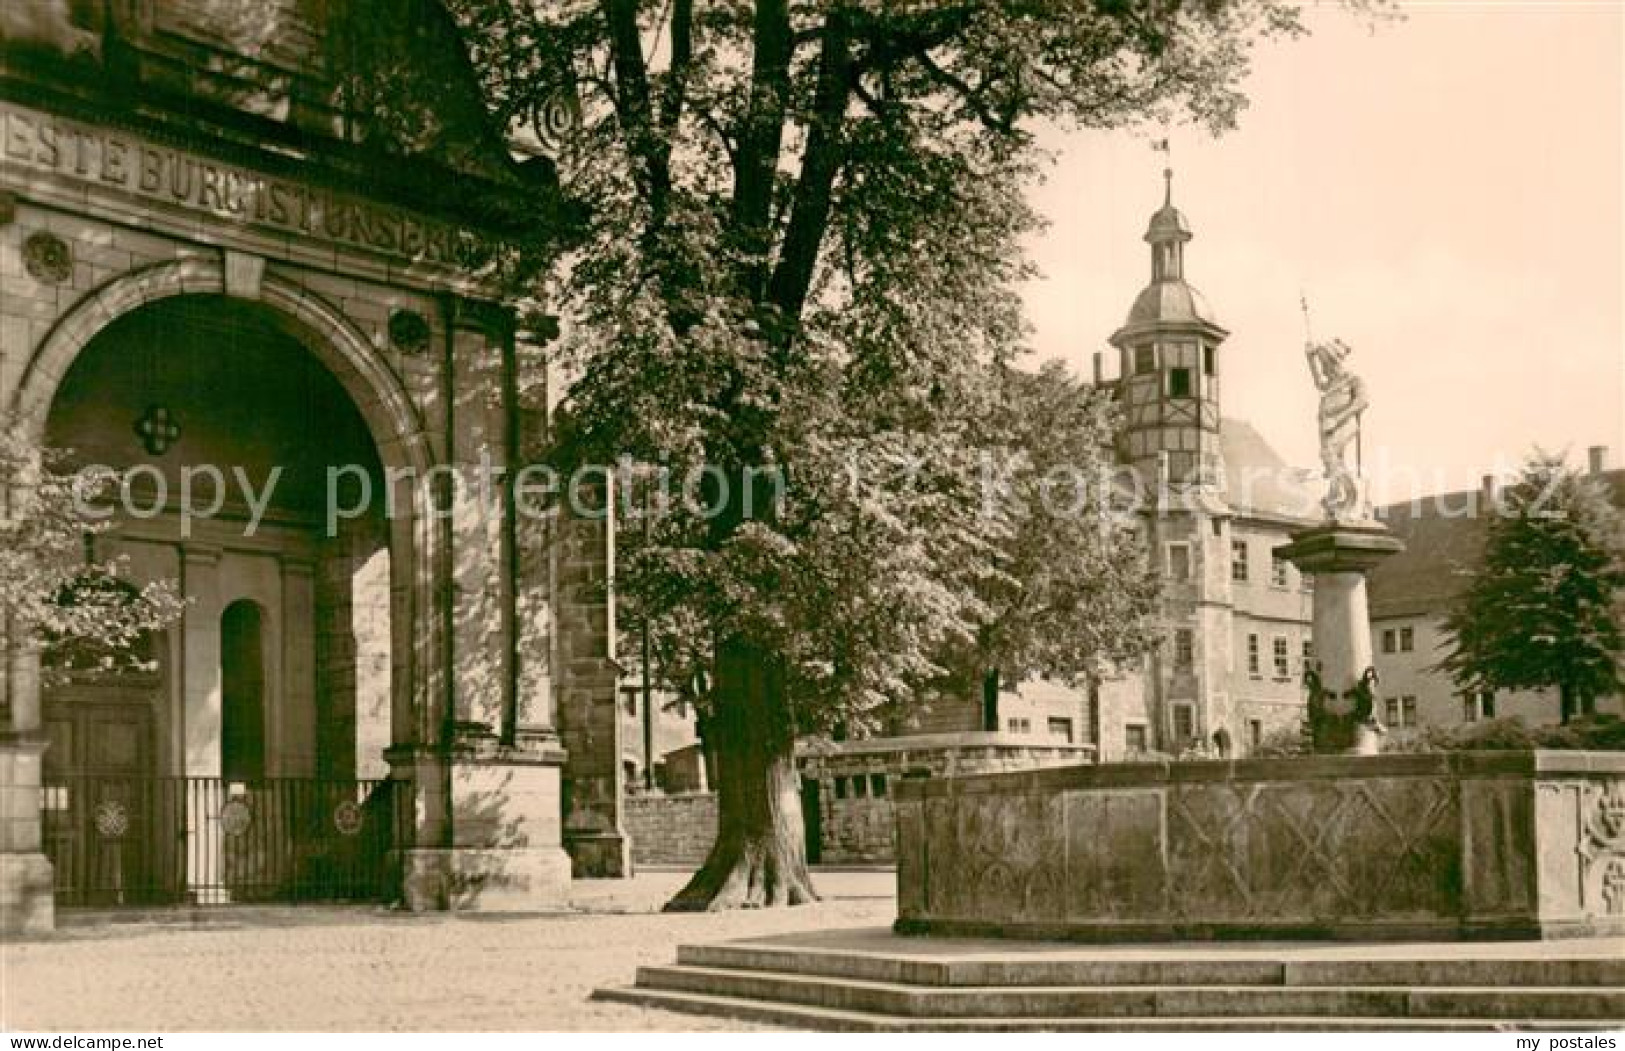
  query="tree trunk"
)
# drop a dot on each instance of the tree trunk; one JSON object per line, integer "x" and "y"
{"x": 1566, "y": 692}
{"x": 759, "y": 858}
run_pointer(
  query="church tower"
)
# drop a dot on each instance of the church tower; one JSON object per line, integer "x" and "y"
{"x": 1169, "y": 365}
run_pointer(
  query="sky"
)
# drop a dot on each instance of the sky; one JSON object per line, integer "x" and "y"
{"x": 1445, "y": 189}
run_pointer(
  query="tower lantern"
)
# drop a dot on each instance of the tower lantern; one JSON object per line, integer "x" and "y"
{"x": 1169, "y": 362}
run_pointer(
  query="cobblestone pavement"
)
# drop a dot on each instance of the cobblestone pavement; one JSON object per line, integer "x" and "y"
{"x": 296, "y": 970}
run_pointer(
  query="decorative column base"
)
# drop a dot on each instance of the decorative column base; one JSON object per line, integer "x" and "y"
{"x": 503, "y": 850}
{"x": 1343, "y": 690}
{"x": 27, "y": 882}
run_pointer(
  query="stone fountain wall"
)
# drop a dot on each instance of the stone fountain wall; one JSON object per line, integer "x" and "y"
{"x": 1480, "y": 844}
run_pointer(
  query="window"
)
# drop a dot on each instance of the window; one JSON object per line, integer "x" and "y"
{"x": 1283, "y": 663}
{"x": 1255, "y": 734}
{"x": 1145, "y": 359}
{"x": 1207, "y": 359}
{"x": 1184, "y": 724}
{"x": 840, "y": 788}
{"x": 1476, "y": 706}
{"x": 1407, "y": 640}
{"x": 1184, "y": 648}
{"x": 1278, "y": 576}
{"x": 1254, "y": 666}
{"x": 629, "y": 699}
{"x": 1308, "y": 652}
{"x": 1061, "y": 728}
{"x": 1179, "y": 383}
{"x": 1238, "y": 560}
{"x": 1179, "y": 562}
{"x": 877, "y": 785}
{"x": 860, "y": 786}
{"x": 1019, "y": 726}
{"x": 1134, "y": 740}
{"x": 1388, "y": 640}
{"x": 1218, "y": 527}
{"x": 1400, "y": 711}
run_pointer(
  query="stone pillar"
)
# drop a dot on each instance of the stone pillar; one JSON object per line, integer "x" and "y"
{"x": 499, "y": 840}
{"x": 200, "y": 649}
{"x": 295, "y": 754}
{"x": 27, "y": 885}
{"x": 1340, "y": 556}
{"x": 585, "y": 676}
{"x": 535, "y": 506}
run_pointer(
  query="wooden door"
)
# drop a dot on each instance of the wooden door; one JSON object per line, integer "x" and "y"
{"x": 102, "y": 798}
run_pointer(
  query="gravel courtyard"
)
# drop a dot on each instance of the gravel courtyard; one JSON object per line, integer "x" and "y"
{"x": 342, "y": 970}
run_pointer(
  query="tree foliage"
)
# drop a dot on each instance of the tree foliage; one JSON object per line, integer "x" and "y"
{"x": 1544, "y": 607}
{"x": 53, "y": 591}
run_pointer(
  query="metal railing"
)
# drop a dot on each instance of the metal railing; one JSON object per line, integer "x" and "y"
{"x": 117, "y": 841}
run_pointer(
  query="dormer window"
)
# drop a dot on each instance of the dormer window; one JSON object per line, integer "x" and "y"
{"x": 1207, "y": 359}
{"x": 1179, "y": 383}
{"x": 1145, "y": 359}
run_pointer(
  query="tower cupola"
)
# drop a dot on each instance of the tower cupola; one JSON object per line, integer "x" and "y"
{"x": 1169, "y": 349}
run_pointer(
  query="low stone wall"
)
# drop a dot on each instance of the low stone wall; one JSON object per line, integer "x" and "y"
{"x": 857, "y": 821}
{"x": 671, "y": 830}
{"x": 1469, "y": 844}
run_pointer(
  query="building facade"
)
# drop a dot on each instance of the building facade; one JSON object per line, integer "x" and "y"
{"x": 385, "y": 676}
{"x": 1412, "y": 592}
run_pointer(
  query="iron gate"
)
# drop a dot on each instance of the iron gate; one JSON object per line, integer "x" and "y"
{"x": 206, "y": 841}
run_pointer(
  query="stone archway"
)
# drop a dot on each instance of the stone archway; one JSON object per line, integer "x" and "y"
{"x": 415, "y": 539}
{"x": 379, "y": 395}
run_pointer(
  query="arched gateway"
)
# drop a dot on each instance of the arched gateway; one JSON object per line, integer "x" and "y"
{"x": 409, "y": 696}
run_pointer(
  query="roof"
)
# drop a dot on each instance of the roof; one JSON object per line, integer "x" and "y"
{"x": 1168, "y": 224}
{"x": 1444, "y": 536}
{"x": 1171, "y": 301}
{"x": 1259, "y": 482}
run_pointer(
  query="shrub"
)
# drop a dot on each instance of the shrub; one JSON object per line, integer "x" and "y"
{"x": 1599, "y": 732}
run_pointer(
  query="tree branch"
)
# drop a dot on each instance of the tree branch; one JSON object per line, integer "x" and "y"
{"x": 760, "y": 140}
{"x": 682, "y": 56}
{"x": 820, "y": 162}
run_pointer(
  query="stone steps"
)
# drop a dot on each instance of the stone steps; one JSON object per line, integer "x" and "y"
{"x": 808, "y": 987}
{"x": 821, "y": 1019}
{"x": 1162, "y": 969}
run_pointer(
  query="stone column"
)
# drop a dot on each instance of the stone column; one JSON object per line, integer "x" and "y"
{"x": 535, "y": 507}
{"x": 1340, "y": 555}
{"x": 200, "y": 650}
{"x": 585, "y": 676}
{"x": 501, "y": 846}
{"x": 27, "y": 885}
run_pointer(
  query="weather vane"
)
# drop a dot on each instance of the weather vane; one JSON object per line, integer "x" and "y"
{"x": 1165, "y": 147}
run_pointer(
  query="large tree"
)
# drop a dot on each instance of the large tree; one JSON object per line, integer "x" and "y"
{"x": 801, "y": 269}
{"x": 1544, "y": 607}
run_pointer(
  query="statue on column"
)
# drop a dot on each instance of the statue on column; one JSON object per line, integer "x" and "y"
{"x": 1339, "y": 552}
{"x": 1342, "y": 400}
